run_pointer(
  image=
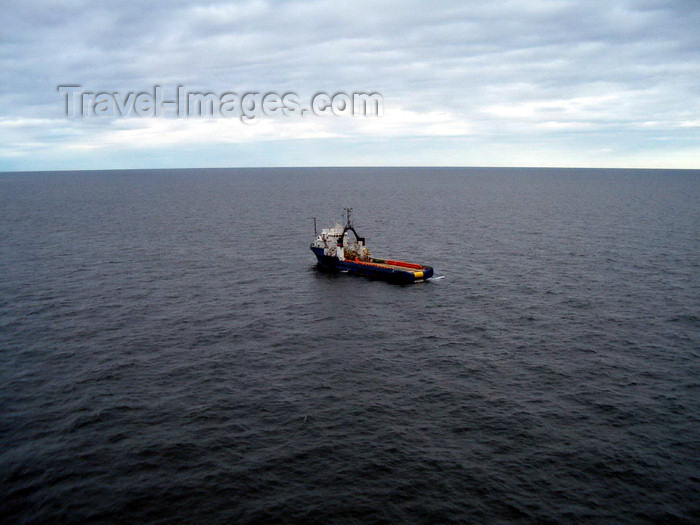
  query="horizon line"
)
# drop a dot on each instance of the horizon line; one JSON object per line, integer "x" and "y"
{"x": 548, "y": 168}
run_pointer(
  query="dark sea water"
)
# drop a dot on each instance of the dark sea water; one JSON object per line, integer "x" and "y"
{"x": 170, "y": 354}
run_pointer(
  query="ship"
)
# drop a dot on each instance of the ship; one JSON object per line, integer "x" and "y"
{"x": 338, "y": 251}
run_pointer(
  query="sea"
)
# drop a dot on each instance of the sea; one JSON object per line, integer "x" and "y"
{"x": 170, "y": 353}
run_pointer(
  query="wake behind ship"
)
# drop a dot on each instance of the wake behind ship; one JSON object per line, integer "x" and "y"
{"x": 336, "y": 251}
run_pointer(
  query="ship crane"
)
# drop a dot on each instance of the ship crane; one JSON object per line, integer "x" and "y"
{"x": 350, "y": 227}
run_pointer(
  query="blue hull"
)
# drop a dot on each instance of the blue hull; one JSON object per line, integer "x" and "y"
{"x": 409, "y": 275}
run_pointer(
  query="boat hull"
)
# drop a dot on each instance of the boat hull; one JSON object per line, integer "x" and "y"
{"x": 387, "y": 270}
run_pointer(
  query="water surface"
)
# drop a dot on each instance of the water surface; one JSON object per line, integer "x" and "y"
{"x": 169, "y": 353}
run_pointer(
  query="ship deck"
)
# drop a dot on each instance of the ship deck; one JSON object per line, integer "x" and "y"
{"x": 392, "y": 265}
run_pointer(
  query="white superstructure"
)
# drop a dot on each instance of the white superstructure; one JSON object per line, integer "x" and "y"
{"x": 337, "y": 242}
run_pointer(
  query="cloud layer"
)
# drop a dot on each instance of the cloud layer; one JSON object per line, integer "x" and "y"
{"x": 536, "y": 82}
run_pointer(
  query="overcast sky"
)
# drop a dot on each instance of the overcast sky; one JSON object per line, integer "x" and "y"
{"x": 580, "y": 83}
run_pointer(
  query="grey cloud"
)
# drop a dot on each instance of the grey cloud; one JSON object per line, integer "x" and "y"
{"x": 458, "y": 57}
{"x": 319, "y": 41}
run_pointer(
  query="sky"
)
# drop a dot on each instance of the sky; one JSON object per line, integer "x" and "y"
{"x": 541, "y": 83}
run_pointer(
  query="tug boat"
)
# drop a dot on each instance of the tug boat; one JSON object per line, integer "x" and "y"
{"x": 336, "y": 251}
